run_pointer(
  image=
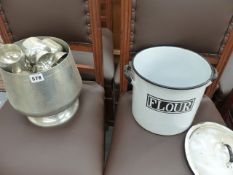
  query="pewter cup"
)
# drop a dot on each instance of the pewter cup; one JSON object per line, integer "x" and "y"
{"x": 47, "y": 93}
{"x": 32, "y": 47}
{"x": 45, "y": 62}
{"x": 54, "y": 46}
{"x": 12, "y": 58}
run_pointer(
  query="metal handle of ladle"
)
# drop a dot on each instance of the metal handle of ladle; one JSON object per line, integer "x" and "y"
{"x": 230, "y": 152}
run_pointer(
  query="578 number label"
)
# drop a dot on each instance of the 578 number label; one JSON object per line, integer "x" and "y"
{"x": 35, "y": 78}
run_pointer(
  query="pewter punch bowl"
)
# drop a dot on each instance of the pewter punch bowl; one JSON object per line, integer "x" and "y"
{"x": 57, "y": 90}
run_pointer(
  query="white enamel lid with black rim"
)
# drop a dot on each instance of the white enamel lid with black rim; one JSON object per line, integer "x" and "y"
{"x": 173, "y": 68}
{"x": 209, "y": 149}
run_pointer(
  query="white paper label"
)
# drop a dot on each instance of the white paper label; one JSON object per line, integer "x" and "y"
{"x": 35, "y": 78}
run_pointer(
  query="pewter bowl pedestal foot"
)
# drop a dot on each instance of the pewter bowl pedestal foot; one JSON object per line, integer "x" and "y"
{"x": 57, "y": 119}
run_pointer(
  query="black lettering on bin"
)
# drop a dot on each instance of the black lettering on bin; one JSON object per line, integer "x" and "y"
{"x": 169, "y": 106}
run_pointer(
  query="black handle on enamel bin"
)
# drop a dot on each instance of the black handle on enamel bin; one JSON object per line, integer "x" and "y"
{"x": 215, "y": 73}
{"x": 128, "y": 72}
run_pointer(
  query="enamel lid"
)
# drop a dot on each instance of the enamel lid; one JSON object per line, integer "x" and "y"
{"x": 208, "y": 149}
{"x": 172, "y": 68}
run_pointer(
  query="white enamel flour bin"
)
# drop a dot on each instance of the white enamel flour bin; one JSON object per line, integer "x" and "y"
{"x": 168, "y": 85}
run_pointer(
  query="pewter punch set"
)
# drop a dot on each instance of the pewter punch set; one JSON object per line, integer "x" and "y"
{"x": 34, "y": 70}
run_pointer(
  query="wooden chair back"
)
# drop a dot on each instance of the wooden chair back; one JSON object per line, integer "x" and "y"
{"x": 106, "y": 13}
{"x": 204, "y": 27}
